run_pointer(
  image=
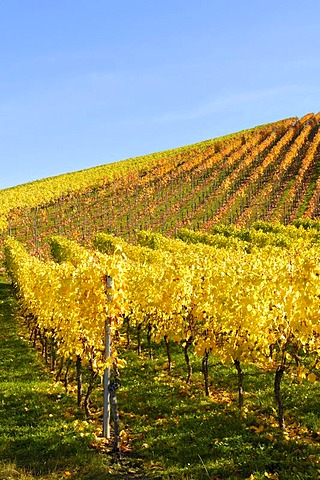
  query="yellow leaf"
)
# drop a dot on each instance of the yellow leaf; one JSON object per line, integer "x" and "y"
{"x": 258, "y": 429}
{"x": 312, "y": 377}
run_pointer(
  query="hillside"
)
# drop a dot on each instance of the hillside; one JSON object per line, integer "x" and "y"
{"x": 269, "y": 173}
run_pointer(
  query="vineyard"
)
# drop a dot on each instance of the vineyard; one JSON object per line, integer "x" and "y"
{"x": 207, "y": 256}
{"x": 268, "y": 173}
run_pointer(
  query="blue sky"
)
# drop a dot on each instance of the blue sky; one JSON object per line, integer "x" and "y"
{"x": 84, "y": 83}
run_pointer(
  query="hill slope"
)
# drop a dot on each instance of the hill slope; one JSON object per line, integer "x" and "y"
{"x": 270, "y": 172}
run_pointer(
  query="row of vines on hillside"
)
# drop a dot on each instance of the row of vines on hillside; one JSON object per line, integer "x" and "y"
{"x": 267, "y": 173}
{"x": 242, "y": 305}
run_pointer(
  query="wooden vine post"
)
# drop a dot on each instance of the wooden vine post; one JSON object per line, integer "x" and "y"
{"x": 106, "y": 377}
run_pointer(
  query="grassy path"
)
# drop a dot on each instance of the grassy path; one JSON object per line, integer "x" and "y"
{"x": 42, "y": 435}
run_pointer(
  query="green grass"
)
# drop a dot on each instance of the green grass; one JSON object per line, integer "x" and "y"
{"x": 170, "y": 429}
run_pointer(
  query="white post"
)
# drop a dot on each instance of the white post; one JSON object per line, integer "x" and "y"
{"x": 106, "y": 382}
{"x": 106, "y": 376}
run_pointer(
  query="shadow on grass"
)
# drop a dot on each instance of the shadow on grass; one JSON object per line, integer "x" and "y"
{"x": 185, "y": 435}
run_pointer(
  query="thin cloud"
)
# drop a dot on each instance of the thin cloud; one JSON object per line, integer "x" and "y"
{"x": 223, "y": 104}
